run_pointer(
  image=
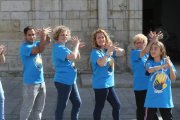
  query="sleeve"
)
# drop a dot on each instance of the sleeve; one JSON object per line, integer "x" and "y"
{"x": 62, "y": 53}
{"x": 174, "y": 69}
{"x": 95, "y": 55}
{"x": 148, "y": 64}
{"x": 135, "y": 55}
{"x": 25, "y": 50}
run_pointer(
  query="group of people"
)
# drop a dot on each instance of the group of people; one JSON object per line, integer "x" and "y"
{"x": 152, "y": 70}
{"x": 152, "y": 75}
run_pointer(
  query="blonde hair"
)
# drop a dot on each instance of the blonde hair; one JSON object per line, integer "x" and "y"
{"x": 94, "y": 43}
{"x": 140, "y": 37}
{"x": 57, "y": 30}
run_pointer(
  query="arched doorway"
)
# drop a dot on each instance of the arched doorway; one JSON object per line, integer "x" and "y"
{"x": 163, "y": 15}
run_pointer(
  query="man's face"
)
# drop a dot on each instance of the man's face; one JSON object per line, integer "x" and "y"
{"x": 30, "y": 36}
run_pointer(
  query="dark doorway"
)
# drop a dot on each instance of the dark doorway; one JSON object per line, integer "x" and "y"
{"x": 162, "y": 15}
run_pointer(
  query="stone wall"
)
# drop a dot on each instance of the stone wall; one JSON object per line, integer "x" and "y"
{"x": 124, "y": 21}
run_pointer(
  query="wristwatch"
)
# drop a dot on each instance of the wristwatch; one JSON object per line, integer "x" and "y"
{"x": 107, "y": 55}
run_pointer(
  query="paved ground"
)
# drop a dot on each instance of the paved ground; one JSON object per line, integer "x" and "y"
{"x": 13, "y": 92}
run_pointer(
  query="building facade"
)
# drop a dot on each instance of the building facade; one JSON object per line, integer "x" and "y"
{"x": 121, "y": 18}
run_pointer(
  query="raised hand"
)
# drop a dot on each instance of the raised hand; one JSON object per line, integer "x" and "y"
{"x": 2, "y": 49}
{"x": 82, "y": 44}
{"x": 75, "y": 40}
{"x": 110, "y": 49}
{"x": 43, "y": 31}
{"x": 153, "y": 36}
{"x": 116, "y": 44}
{"x": 168, "y": 61}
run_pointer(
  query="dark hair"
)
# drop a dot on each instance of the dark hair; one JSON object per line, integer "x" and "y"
{"x": 27, "y": 28}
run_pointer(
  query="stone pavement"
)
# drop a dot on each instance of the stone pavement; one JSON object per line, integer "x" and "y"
{"x": 13, "y": 93}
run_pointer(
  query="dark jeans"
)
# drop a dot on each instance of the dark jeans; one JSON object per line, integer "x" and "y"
{"x": 166, "y": 113}
{"x": 66, "y": 92}
{"x": 101, "y": 95}
{"x": 140, "y": 99}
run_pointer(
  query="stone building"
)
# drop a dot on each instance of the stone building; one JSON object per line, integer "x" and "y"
{"x": 121, "y": 18}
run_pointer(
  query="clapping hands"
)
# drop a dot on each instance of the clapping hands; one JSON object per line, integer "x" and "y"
{"x": 76, "y": 41}
{"x": 43, "y": 31}
{"x": 153, "y": 36}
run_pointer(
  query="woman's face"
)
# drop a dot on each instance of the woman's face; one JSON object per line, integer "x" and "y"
{"x": 155, "y": 51}
{"x": 63, "y": 37}
{"x": 100, "y": 40}
{"x": 139, "y": 44}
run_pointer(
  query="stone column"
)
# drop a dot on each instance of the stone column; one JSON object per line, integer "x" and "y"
{"x": 102, "y": 14}
{"x": 135, "y": 21}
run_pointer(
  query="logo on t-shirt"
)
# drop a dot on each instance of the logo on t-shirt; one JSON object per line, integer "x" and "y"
{"x": 38, "y": 62}
{"x": 160, "y": 81}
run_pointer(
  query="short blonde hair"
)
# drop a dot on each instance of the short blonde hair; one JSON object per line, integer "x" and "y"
{"x": 94, "y": 43}
{"x": 57, "y": 30}
{"x": 140, "y": 37}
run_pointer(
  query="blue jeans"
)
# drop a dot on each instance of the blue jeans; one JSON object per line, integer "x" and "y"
{"x": 2, "y": 99}
{"x": 65, "y": 93}
{"x": 101, "y": 95}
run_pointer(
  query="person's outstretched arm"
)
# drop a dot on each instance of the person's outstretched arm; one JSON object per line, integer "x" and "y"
{"x": 44, "y": 36}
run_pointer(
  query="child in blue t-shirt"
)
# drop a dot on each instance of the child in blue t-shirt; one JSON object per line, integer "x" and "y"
{"x": 138, "y": 57}
{"x": 102, "y": 61}
{"x": 159, "y": 94}
{"x": 65, "y": 72}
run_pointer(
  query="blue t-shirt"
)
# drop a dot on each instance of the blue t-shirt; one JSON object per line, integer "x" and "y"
{"x": 32, "y": 64}
{"x": 140, "y": 80}
{"x": 159, "y": 93}
{"x": 103, "y": 77}
{"x": 65, "y": 72}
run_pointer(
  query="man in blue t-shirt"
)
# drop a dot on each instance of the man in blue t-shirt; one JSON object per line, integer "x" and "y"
{"x": 34, "y": 89}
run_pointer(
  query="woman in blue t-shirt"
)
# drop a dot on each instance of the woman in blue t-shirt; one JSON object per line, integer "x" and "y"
{"x": 159, "y": 94}
{"x": 65, "y": 72}
{"x": 138, "y": 57}
{"x": 102, "y": 62}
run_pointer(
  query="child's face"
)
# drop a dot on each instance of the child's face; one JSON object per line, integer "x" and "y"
{"x": 139, "y": 44}
{"x": 63, "y": 36}
{"x": 30, "y": 36}
{"x": 100, "y": 39}
{"x": 155, "y": 51}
